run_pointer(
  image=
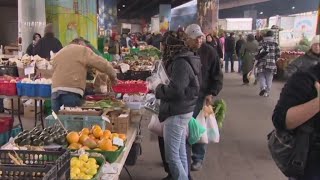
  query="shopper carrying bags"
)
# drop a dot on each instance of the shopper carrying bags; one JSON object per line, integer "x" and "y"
{"x": 178, "y": 99}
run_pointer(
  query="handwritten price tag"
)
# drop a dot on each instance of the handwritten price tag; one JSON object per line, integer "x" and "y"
{"x": 117, "y": 141}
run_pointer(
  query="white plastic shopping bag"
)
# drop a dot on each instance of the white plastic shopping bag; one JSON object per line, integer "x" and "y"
{"x": 202, "y": 120}
{"x": 155, "y": 126}
{"x": 251, "y": 77}
{"x": 213, "y": 134}
{"x": 159, "y": 76}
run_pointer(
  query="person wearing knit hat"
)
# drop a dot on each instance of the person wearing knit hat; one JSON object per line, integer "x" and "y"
{"x": 47, "y": 43}
{"x": 178, "y": 99}
{"x": 309, "y": 59}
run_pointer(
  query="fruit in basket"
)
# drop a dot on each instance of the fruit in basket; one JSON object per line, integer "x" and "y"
{"x": 84, "y": 157}
{"x": 105, "y": 144}
{"x": 73, "y": 137}
{"x": 122, "y": 136}
{"x": 75, "y": 146}
{"x": 114, "y": 148}
{"x": 90, "y": 143}
{"x": 97, "y": 132}
{"x": 87, "y": 170}
{"x": 83, "y": 137}
{"x": 85, "y": 131}
{"x": 95, "y": 127}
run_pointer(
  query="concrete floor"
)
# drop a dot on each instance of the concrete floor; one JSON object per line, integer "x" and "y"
{"x": 242, "y": 153}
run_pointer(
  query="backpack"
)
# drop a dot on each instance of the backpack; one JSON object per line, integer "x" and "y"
{"x": 290, "y": 149}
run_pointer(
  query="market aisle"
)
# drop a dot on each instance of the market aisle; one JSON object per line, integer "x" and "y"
{"x": 242, "y": 153}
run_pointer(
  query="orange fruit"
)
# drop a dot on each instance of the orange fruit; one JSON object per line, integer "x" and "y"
{"x": 91, "y": 136}
{"x": 105, "y": 144}
{"x": 95, "y": 127}
{"x": 85, "y": 131}
{"x": 114, "y": 148}
{"x": 97, "y": 149}
{"x": 122, "y": 136}
{"x": 113, "y": 135}
{"x": 97, "y": 133}
{"x": 85, "y": 148}
{"x": 73, "y": 137}
{"x": 75, "y": 146}
{"x": 82, "y": 138}
{"x": 107, "y": 133}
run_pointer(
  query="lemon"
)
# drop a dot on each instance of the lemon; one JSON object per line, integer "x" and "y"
{"x": 75, "y": 163}
{"x": 75, "y": 170}
{"x": 83, "y": 157}
{"x": 81, "y": 175}
{"x": 86, "y": 177}
{"x": 73, "y": 175}
{"x": 92, "y": 160}
{"x": 83, "y": 169}
{"x": 92, "y": 171}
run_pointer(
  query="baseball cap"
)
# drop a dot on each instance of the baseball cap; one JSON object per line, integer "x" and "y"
{"x": 194, "y": 31}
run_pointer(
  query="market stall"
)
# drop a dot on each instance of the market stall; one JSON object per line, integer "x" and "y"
{"x": 285, "y": 59}
{"x": 88, "y": 142}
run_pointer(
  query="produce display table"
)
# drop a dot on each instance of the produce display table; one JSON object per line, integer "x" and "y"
{"x": 120, "y": 163}
{"x": 36, "y": 113}
{"x": 12, "y": 111}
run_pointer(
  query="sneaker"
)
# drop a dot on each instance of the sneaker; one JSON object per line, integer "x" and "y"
{"x": 266, "y": 94}
{"x": 169, "y": 177}
{"x": 196, "y": 166}
{"x": 262, "y": 92}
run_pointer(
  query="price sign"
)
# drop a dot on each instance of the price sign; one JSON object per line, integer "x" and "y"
{"x": 117, "y": 141}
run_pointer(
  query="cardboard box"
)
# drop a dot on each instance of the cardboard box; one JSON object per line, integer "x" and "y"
{"x": 119, "y": 120}
{"x": 29, "y": 111}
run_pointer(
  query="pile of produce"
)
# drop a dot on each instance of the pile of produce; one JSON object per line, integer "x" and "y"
{"x": 94, "y": 139}
{"x": 83, "y": 167}
{"x": 150, "y": 51}
{"x": 106, "y": 103}
{"x": 36, "y": 137}
{"x": 37, "y": 81}
{"x": 137, "y": 63}
{"x": 220, "y": 110}
{"x": 287, "y": 57}
{"x": 27, "y": 60}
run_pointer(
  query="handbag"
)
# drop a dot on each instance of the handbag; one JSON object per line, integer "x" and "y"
{"x": 290, "y": 150}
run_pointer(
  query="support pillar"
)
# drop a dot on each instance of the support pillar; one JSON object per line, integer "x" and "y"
{"x": 208, "y": 12}
{"x": 252, "y": 14}
{"x": 164, "y": 17}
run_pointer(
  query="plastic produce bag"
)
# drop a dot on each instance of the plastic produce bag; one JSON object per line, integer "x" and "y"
{"x": 159, "y": 76}
{"x": 251, "y": 77}
{"x": 196, "y": 130}
{"x": 213, "y": 134}
{"x": 202, "y": 120}
{"x": 155, "y": 126}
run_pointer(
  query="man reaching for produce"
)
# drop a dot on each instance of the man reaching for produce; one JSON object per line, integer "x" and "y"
{"x": 211, "y": 85}
{"x": 70, "y": 67}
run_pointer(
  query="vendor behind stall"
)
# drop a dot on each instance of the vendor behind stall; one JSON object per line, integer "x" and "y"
{"x": 70, "y": 67}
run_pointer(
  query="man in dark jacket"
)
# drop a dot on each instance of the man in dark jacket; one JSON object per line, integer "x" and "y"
{"x": 306, "y": 61}
{"x": 47, "y": 43}
{"x": 211, "y": 85}
{"x": 230, "y": 44}
{"x": 239, "y": 44}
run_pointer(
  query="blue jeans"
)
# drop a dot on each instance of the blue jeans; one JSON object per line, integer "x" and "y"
{"x": 228, "y": 57}
{"x": 174, "y": 134}
{"x": 265, "y": 80}
{"x": 67, "y": 99}
{"x": 198, "y": 152}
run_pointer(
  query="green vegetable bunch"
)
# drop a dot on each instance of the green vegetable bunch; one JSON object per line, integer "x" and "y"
{"x": 220, "y": 110}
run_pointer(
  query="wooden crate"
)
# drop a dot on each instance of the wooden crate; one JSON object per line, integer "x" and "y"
{"x": 119, "y": 120}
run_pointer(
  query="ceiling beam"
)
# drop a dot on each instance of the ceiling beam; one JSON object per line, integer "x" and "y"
{"x": 237, "y": 3}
